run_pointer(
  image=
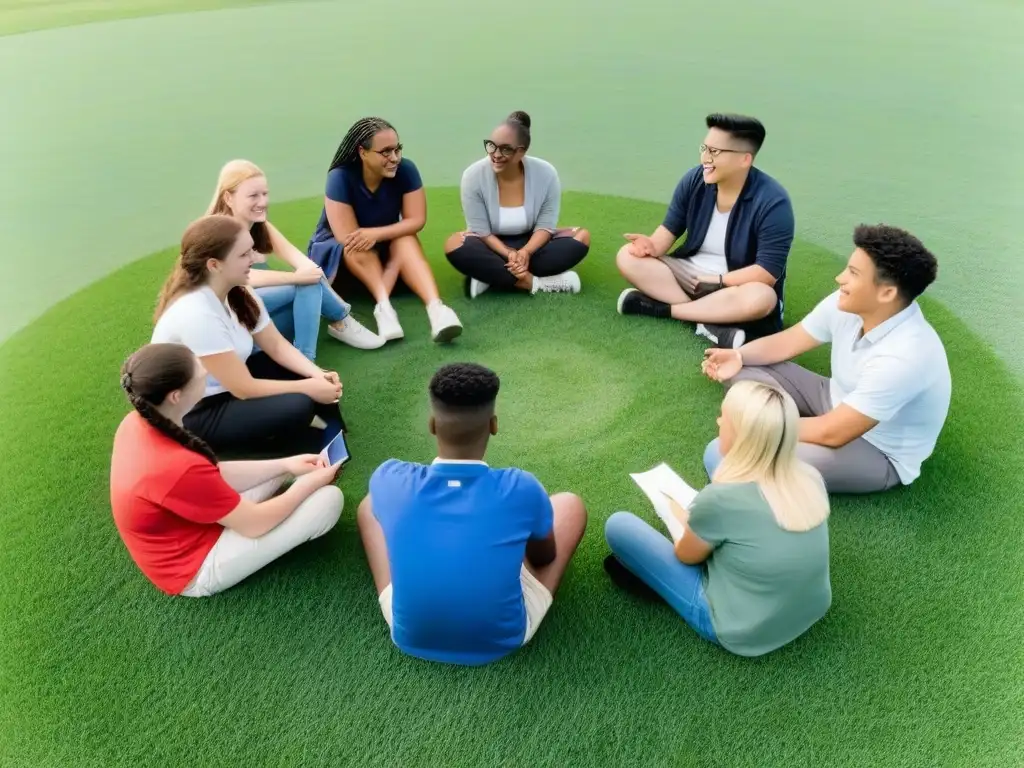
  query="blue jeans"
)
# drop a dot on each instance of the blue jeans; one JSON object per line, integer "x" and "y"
{"x": 712, "y": 457}
{"x": 296, "y": 310}
{"x": 652, "y": 558}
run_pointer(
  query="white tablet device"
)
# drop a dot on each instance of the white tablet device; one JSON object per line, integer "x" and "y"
{"x": 336, "y": 451}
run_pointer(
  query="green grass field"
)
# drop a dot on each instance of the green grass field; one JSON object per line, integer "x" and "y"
{"x": 917, "y": 664}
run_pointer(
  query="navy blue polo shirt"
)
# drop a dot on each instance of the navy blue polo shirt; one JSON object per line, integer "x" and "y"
{"x": 760, "y": 231}
{"x": 372, "y": 209}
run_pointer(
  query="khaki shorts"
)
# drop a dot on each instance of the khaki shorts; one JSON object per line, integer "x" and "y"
{"x": 683, "y": 271}
{"x": 535, "y": 595}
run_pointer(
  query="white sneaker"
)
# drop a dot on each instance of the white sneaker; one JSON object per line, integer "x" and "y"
{"x": 567, "y": 282}
{"x": 355, "y": 334}
{"x": 388, "y": 327}
{"x": 444, "y": 323}
{"x": 476, "y": 287}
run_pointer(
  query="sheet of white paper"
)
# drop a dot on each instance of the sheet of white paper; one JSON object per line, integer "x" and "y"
{"x": 662, "y": 481}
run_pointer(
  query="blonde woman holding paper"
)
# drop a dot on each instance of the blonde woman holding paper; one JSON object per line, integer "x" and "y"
{"x": 751, "y": 570}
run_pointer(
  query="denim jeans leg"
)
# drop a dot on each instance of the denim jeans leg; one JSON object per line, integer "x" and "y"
{"x": 333, "y": 307}
{"x": 712, "y": 457}
{"x": 651, "y": 557}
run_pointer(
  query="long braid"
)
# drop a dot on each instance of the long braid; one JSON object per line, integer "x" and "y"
{"x": 359, "y": 135}
{"x": 173, "y": 364}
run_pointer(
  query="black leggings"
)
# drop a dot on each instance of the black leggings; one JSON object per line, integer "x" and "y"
{"x": 278, "y": 425}
{"x": 474, "y": 258}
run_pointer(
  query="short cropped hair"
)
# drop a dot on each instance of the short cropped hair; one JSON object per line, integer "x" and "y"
{"x": 900, "y": 258}
{"x": 464, "y": 385}
{"x": 749, "y": 130}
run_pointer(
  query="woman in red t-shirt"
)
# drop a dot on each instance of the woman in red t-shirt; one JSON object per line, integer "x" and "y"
{"x": 195, "y": 526}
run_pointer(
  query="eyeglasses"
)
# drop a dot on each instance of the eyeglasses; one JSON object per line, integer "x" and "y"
{"x": 716, "y": 151}
{"x": 390, "y": 152}
{"x": 506, "y": 150}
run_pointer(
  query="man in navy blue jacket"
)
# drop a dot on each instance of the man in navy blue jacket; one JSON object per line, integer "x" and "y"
{"x": 729, "y": 274}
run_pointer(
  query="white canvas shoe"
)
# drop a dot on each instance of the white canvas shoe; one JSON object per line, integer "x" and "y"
{"x": 567, "y": 282}
{"x": 350, "y": 331}
{"x": 388, "y": 327}
{"x": 444, "y": 323}
{"x": 476, "y": 287}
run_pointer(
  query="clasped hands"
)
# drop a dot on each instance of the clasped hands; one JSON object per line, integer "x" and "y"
{"x": 326, "y": 388}
{"x": 359, "y": 240}
{"x": 518, "y": 262}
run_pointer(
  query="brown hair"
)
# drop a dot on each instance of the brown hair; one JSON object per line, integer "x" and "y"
{"x": 230, "y": 178}
{"x": 210, "y": 237}
{"x": 152, "y": 373}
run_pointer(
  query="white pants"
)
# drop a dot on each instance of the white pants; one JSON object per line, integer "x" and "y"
{"x": 235, "y": 557}
{"x": 536, "y": 598}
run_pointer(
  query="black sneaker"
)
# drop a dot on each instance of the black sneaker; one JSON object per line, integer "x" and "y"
{"x": 625, "y": 579}
{"x": 722, "y": 336}
{"x": 633, "y": 302}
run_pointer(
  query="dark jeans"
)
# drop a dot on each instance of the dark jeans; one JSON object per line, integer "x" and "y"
{"x": 278, "y": 425}
{"x": 474, "y": 258}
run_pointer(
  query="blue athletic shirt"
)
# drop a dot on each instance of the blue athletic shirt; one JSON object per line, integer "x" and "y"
{"x": 456, "y": 536}
{"x": 372, "y": 209}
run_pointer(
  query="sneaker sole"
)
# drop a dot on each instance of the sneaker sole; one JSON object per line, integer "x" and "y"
{"x": 447, "y": 334}
{"x": 622, "y": 300}
{"x": 381, "y": 342}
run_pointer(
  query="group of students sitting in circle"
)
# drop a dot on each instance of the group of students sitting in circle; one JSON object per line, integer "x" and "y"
{"x": 466, "y": 558}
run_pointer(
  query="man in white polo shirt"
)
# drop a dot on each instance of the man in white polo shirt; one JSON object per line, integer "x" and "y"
{"x": 872, "y": 425}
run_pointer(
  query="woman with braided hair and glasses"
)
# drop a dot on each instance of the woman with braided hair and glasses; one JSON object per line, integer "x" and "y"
{"x": 276, "y": 401}
{"x": 751, "y": 570}
{"x": 511, "y": 201}
{"x": 195, "y": 526}
{"x": 374, "y": 208}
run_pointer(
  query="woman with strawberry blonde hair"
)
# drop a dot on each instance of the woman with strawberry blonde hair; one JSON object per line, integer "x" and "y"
{"x": 751, "y": 570}
{"x": 295, "y": 299}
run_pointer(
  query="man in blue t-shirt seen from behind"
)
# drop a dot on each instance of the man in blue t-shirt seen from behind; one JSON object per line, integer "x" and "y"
{"x": 465, "y": 558}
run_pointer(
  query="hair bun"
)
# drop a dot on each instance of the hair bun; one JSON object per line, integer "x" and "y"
{"x": 520, "y": 117}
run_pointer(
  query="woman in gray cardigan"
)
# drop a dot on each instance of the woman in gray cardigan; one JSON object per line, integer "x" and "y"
{"x": 511, "y": 203}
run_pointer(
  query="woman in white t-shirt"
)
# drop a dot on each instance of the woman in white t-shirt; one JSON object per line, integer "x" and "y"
{"x": 275, "y": 401}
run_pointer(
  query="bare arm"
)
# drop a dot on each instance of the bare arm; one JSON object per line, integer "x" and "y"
{"x": 751, "y": 274}
{"x": 836, "y": 428}
{"x": 541, "y": 552}
{"x": 247, "y": 474}
{"x": 295, "y": 258}
{"x": 655, "y": 246}
{"x": 691, "y": 548}
{"x": 284, "y": 353}
{"x": 414, "y": 218}
{"x": 231, "y": 372}
{"x": 781, "y": 346}
{"x": 538, "y": 240}
{"x": 254, "y": 519}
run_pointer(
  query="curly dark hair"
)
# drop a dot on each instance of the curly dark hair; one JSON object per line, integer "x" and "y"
{"x": 464, "y": 385}
{"x": 749, "y": 130}
{"x": 900, "y": 258}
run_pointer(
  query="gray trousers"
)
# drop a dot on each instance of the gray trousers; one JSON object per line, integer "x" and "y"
{"x": 857, "y": 467}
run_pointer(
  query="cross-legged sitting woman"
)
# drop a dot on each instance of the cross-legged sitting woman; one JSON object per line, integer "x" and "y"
{"x": 511, "y": 202}
{"x": 276, "y": 401}
{"x": 374, "y": 208}
{"x": 193, "y": 526}
{"x": 296, "y": 298}
{"x": 751, "y": 571}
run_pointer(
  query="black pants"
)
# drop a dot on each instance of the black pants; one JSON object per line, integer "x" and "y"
{"x": 474, "y": 258}
{"x": 278, "y": 425}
